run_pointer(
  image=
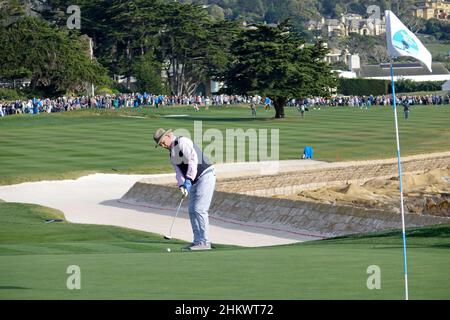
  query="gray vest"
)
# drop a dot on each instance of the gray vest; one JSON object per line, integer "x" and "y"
{"x": 203, "y": 161}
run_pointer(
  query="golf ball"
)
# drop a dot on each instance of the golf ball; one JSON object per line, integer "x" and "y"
{"x": 168, "y": 249}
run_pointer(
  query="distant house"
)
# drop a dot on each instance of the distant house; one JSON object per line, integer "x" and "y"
{"x": 316, "y": 24}
{"x": 349, "y": 23}
{"x": 335, "y": 28}
{"x": 432, "y": 9}
{"x": 337, "y": 55}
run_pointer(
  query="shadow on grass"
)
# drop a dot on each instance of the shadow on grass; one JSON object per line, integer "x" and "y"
{"x": 441, "y": 246}
{"x": 226, "y": 119}
{"x": 436, "y": 231}
{"x": 13, "y": 288}
{"x": 436, "y": 236}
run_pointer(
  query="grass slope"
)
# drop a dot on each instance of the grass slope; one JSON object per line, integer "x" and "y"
{"x": 67, "y": 145}
{"x": 123, "y": 264}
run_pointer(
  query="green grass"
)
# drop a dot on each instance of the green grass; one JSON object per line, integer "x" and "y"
{"x": 117, "y": 263}
{"x": 423, "y": 93}
{"x": 435, "y": 47}
{"x": 68, "y": 145}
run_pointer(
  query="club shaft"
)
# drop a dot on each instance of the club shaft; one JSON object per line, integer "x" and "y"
{"x": 176, "y": 214}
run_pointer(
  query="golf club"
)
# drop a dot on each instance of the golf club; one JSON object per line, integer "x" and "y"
{"x": 168, "y": 237}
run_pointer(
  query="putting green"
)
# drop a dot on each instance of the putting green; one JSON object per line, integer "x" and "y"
{"x": 117, "y": 263}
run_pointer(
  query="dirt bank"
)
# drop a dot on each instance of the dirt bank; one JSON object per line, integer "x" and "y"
{"x": 425, "y": 193}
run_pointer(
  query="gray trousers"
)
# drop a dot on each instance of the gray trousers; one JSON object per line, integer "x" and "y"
{"x": 200, "y": 198}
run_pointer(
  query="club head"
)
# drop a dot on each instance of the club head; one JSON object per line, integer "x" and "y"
{"x": 167, "y": 237}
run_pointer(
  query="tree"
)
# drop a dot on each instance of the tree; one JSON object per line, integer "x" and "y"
{"x": 10, "y": 11}
{"x": 192, "y": 46}
{"x": 122, "y": 30}
{"x": 251, "y": 6}
{"x": 147, "y": 71}
{"x": 131, "y": 32}
{"x": 218, "y": 55}
{"x": 182, "y": 39}
{"x": 217, "y": 12}
{"x": 379, "y": 54}
{"x": 361, "y": 45}
{"x": 275, "y": 62}
{"x": 439, "y": 29}
{"x": 55, "y": 60}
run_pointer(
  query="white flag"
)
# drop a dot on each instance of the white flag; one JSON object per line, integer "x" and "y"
{"x": 402, "y": 42}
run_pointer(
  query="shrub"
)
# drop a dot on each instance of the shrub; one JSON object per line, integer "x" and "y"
{"x": 362, "y": 86}
{"x": 8, "y": 94}
{"x": 413, "y": 86}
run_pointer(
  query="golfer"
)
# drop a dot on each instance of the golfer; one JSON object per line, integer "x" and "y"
{"x": 196, "y": 177}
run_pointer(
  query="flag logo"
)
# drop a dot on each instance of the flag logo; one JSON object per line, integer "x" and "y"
{"x": 402, "y": 41}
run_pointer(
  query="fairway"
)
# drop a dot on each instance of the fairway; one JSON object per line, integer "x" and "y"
{"x": 64, "y": 145}
{"x": 123, "y": 264}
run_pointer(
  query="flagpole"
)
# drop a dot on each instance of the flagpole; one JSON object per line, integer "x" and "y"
{"x": 405, "y": 261}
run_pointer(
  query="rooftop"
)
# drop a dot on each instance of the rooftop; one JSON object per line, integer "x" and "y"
{"x": 401, "y": 69}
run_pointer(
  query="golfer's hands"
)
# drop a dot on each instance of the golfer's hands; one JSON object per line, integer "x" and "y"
{"x": 184, "y": 192}
{"x": 186, "y": 187}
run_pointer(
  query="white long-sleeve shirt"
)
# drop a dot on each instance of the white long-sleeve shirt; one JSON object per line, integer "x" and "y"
{"x": 186, "y": 146}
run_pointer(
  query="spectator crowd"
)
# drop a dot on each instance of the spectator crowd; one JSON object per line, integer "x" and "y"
{"x": 367, "y": 101}
{"x": 115, "y": 101}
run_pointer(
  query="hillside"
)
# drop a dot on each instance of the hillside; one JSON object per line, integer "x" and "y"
{"x": 273, "y": 11}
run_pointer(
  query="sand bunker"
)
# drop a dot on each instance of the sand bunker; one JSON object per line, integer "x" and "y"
{"x": 427, "y": 193}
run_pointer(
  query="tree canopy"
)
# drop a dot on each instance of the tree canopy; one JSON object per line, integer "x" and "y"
{"x": 276, "y": 62}
{"x": 168, "y": 47}
{"x": 185, "y": 43}
{"x": 55, "y": 60}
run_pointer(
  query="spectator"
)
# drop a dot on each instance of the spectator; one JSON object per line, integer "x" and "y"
{"x": 267, "y": 102}
{"x": 253, "y": 108}
{"x": 406, "y": 108}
